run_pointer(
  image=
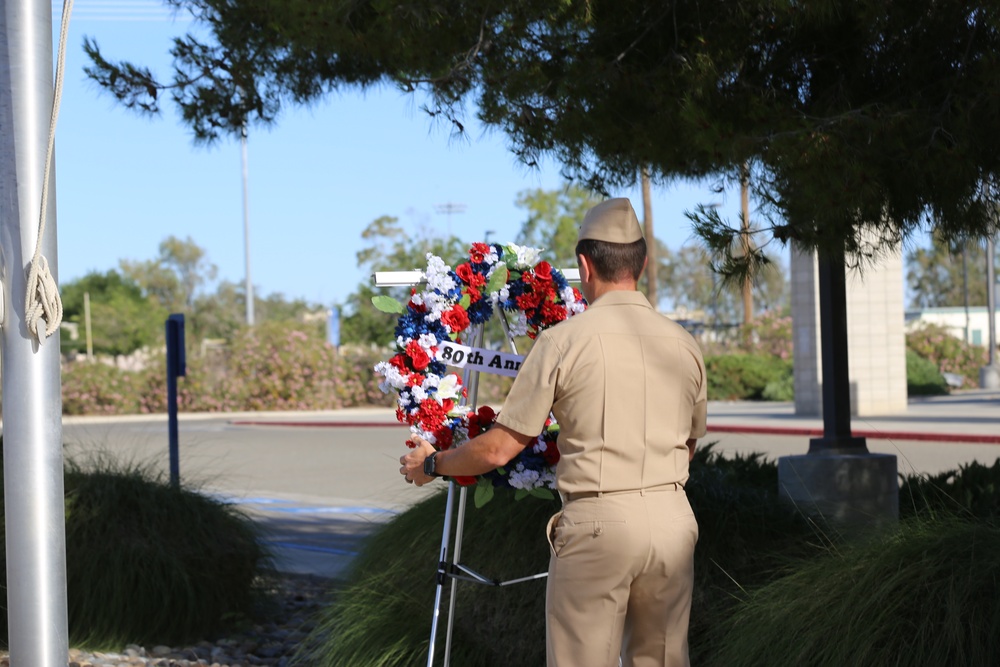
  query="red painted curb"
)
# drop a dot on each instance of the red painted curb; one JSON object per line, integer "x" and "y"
{"x": 719, "y": 428}
{"x": 861, "y": 433}
{"x": 248, "y": 422}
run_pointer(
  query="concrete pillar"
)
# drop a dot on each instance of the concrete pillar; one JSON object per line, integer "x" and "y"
{"x": 875, "y": 317}
{"x": 850, "y": 490}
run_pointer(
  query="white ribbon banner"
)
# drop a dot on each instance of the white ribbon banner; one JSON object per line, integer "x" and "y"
{"x": 479, "y": 359}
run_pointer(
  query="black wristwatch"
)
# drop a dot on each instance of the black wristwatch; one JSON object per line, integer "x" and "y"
{"x": 430, "y": 466}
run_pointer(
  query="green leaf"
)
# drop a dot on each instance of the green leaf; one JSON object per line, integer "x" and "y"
{"x": 465, "y": 301}
{"x": 387, "y": 304}
{"x": 542, "y": 492}
{"x": 484, "y": 492}
{"x": 498, "y": 278}
{"x": 520, "y": 494}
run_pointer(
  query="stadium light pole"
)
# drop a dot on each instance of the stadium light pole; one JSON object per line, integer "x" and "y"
{"x": 246, "y": 225}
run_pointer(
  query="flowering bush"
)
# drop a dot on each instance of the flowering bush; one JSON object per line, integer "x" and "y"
{"x": 430, "y": 398}
{"x": 949, "y": 354}
{"x": 769, "y": 333}
{"x": 271, "y": 367}
{"x": 98, "y": 389}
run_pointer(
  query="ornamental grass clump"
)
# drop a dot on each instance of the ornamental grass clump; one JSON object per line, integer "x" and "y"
{"x": 382, "y": 616}
{"x": 148, "y": 563}
{"x": 926, "y": 594}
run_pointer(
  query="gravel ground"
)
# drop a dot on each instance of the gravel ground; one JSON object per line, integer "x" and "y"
{"x": 271, "y": 641}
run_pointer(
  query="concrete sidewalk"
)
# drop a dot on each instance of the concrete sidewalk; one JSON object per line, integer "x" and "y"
{"x": 969, "y": 416}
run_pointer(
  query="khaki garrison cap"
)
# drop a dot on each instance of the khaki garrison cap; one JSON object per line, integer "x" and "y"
{"x": 613, "y": 220}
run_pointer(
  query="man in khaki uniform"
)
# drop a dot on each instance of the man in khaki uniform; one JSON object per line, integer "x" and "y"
{"x": 627, "y": 386}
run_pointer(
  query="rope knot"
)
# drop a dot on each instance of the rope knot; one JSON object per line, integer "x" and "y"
{"x": 42, "y": 302}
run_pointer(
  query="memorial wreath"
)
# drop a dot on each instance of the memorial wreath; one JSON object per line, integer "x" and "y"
{"x": 511, "y": 278}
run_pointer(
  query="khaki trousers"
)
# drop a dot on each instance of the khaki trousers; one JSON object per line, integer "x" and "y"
{"x": 620, "y": 580}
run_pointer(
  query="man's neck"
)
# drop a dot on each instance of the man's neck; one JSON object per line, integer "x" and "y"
{"x": 601, "y": 288}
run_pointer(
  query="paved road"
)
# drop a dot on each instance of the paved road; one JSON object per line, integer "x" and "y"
{"x": 319, "y": 482}
{"x": 317, "y": 490}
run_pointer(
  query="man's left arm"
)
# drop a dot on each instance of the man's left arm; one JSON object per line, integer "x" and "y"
{"x": 478, "y": 456}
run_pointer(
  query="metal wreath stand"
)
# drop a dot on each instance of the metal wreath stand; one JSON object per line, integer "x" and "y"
{"x": 454, "y": 569}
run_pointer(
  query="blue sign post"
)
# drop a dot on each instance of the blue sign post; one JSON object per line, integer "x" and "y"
{"x": 176, "y": 367}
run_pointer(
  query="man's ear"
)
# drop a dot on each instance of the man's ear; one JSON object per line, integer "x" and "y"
{"x": 585, "y": 269}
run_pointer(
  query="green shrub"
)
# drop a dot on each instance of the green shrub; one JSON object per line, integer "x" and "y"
{"x": 146, "y": 562}
{"x": 381, "y": 618}
{"x": 733, "y": 377}
{"x": 927, "y": 594}
{"x": 971, "y": 491}
{"x": 747, "y": 536}
{"x": 948, "y": 354}
{"x": 922, "y": 377}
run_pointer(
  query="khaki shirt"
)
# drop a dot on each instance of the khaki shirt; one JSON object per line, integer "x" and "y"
{"x": 627, "y": 386}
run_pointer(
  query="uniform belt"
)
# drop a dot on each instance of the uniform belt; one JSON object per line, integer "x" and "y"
{"x": 579, "y": 495}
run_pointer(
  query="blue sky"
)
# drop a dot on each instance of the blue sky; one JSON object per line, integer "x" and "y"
{"x": 316, "y": 179}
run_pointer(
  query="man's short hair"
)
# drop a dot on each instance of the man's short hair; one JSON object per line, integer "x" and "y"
{"x": 614, "y": 262}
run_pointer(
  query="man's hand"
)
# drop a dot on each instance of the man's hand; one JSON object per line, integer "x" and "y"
{"x": 412, "y": 464}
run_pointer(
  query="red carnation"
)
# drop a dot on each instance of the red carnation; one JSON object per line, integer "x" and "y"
{"x": 399, "y": 362}
{"x": 552, "y": 313}
{"x": 444, "y": 437}
{"x": 529, "y": 301}
{"x": 543, "y": 271}
{"x": 455, "y": 318}
{"x": 417, "y": 355}
{"x": 432, "y": 414}
{"x": 551, "y": 453}
{"x": 478, "y": 252}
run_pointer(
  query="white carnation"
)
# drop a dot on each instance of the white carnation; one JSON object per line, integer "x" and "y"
{"x": 419, "y": 394}
{"x": 427, "y": 341}
{"x": 449, "y": 387}
{"x": 525, "y": 257}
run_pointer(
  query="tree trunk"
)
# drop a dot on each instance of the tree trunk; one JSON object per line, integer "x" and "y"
{"x": 647, "y": 224}
{"x": 745, "y": 239}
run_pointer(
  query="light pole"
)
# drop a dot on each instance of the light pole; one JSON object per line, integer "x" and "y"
{"x": 448, "y": 208}
{"x": 989, "y": 375}
{"x": 246, "y": 226}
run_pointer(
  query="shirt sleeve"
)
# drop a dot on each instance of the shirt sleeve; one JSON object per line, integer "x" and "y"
{"x": 699, "y": 416}
{"x": 531, "y": 396}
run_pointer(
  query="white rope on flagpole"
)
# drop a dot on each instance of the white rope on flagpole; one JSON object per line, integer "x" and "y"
{"x": 42, "y": 302}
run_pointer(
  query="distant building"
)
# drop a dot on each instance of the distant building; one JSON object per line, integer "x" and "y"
{"x": 974, "y": 329}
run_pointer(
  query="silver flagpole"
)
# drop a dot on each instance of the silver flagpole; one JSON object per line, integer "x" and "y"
{"x": 32, "y": 403}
